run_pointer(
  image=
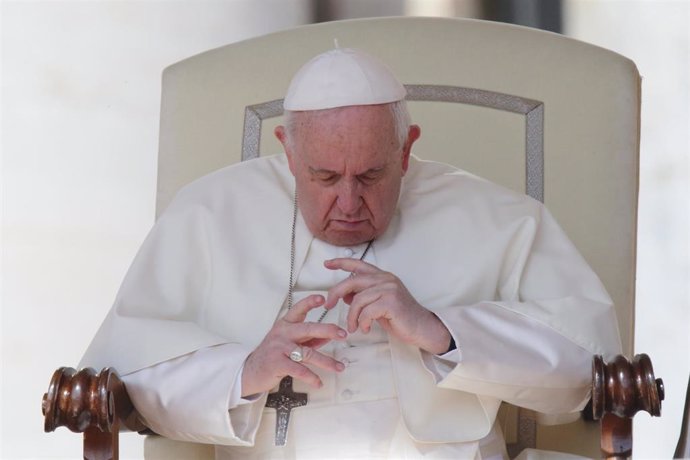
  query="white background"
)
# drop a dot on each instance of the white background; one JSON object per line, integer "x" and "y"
{"x": 80, "y": 102}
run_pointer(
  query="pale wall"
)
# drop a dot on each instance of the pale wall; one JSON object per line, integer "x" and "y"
{"x": 81, "y": 95}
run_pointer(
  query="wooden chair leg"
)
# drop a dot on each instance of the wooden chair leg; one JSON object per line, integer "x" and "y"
{"x": 617, "y": 445}
{"x": 99, "y": 445}
{"x": 683, "y": 446}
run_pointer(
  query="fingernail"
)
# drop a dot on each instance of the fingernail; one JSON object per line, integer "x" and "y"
{"x": 340, "y": 367}
{"x": 342, "y": 333}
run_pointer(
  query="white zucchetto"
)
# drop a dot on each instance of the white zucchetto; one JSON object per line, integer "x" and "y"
{"x": 342, "y": 77}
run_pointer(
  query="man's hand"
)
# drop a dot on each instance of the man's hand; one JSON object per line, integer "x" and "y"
{"x": 377, "y": 295}
{"x": 270, "y": 361}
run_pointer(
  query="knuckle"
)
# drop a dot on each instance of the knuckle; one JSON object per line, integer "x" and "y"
{"x": 307, "y": 353}
{"x": 334, "y": 330}
{"x": 302, "y": 372}
{"x": 308, "y": 329}
{"x": 389, "y": 276}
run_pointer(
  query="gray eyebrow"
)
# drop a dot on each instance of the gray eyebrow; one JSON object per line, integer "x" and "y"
{"x": 377, "y": 169}
{"x": 316, "y": 171}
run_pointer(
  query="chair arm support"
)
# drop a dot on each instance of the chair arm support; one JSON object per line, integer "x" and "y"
{"x": 94, "y": 404}
{"x": 620, "y": 389}
{"x": 98, "y": 405}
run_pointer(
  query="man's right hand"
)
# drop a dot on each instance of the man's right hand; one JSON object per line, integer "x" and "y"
{"x": 270, "y": 361}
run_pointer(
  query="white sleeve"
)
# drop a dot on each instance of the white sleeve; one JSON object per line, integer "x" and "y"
{"x": 197, "y": 397}
{"x": 514, "y": 358}
{"x": 533, "y": 345}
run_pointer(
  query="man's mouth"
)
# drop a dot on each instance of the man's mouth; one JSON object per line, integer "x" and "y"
{"x": 347, "y": 224}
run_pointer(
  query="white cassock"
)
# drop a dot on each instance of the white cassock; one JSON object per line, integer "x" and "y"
{"x": 524, "y": 308}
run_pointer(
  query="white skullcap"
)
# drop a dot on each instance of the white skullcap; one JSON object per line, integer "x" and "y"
{"x": 342, "y": 77}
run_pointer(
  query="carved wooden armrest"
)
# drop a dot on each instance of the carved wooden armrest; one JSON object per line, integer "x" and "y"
{"x": 98, "y": 405}
{"x": 620, "y": 389}
{"x": 94, "y": 404}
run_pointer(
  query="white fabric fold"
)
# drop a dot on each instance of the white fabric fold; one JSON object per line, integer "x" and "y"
{"x": 188, "y": 397}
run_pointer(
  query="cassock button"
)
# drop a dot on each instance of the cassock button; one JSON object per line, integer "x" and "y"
{"x": 346, "y": 394}
{"x": 348, "y": 252}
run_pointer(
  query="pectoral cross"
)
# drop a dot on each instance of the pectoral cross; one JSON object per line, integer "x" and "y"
{"x": 283, "y": 401}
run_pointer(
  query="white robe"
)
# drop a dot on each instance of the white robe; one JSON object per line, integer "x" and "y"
{"x": 526, "y": 311}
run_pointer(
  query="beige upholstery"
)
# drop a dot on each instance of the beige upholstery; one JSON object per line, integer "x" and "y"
{"x": 507, "y": 77}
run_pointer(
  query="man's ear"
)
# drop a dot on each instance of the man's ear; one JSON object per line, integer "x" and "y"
{"x": 281, "y": 135}
{"x": 412, "y": 135}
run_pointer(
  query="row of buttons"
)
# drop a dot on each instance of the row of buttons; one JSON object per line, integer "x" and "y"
{"x": 347, "y": 394}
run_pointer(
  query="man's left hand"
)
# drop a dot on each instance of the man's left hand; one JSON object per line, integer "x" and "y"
{"x": 374, "y": 294}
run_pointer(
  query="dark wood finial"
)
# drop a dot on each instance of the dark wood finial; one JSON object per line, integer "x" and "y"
{"x": 80, "y": 400}
{"x": 620, "y": 389}
{"x": 86, "y": 399}
{"x": 624, "y": 388}
{"x": 90, "y": 403}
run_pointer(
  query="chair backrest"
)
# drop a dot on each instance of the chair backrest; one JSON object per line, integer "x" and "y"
{"x": 532, "y": 110}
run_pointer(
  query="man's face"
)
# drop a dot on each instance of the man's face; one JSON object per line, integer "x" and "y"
{"x": 348, "y": 165}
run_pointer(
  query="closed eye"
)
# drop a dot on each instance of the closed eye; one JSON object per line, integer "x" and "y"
{"x": 327, "y": 177}
{"x": 371, "y": 176}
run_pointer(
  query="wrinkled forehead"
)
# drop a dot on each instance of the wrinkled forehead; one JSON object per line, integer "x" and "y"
{"x": 363, "y": 136}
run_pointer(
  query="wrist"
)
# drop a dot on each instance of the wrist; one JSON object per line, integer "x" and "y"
{"x": 451, "y": 346}
{"x": 440, "y": 340}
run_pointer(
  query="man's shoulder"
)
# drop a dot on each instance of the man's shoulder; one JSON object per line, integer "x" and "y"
{"x": 457, "y": 188}
{"x": 250, "y": 180}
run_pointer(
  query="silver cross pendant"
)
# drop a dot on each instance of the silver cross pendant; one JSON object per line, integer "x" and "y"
{"x": 283, "y": 401}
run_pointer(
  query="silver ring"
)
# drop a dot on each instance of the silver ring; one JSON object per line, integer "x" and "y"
{"x": 296, "y": 355}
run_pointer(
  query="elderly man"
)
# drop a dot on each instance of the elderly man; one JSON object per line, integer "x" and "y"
{"x": 348, "y": 300}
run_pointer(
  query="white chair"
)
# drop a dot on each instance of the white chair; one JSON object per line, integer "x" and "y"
{"x": 540, "y": 113}
{"x": 535, "y": 111}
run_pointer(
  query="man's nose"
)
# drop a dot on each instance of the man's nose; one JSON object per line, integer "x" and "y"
{"x": 349, "y": 198}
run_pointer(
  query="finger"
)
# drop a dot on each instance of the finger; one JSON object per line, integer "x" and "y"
{"x": 298, "y": 312}
{"x": 363, "y": 310}
{"x": 303, "y": 332}
{"x": 351, "y": 285}
{"x": 375, "y": 312}
{"x": 313, "y": 357}
{"x": 356, "y": 266}
{"x": 315, "y": 343}
{"x": 303, "y": 373}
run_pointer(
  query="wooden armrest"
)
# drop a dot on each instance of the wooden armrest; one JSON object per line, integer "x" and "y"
{"x": 98, "y": 405}
{"x": 620, "y": 389}
{"x": 94, "y": 404}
